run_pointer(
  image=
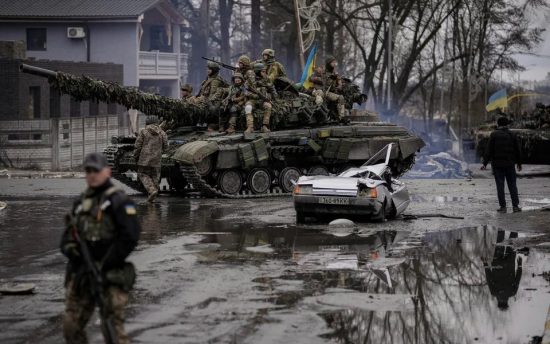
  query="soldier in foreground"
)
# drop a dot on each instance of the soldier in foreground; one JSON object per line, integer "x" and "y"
{"x": 101, "y": 231}
{"x": 150, "y": 144}
{"x": 274, "y": 68}
{"x": 260, "y": 93}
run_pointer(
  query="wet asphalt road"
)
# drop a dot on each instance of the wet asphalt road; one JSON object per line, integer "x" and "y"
{"x": 225, "y": 271}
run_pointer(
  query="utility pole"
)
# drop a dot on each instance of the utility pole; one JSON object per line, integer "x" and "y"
{"x": 299, "y": 29}
{"x": 390, "y": 41}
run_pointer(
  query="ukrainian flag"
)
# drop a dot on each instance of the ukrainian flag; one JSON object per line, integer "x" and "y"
{"x": 309, "y": 68}
{"x": 497, "y": 100}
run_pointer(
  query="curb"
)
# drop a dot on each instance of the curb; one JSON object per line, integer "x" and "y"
{"x": 5, "y": 174}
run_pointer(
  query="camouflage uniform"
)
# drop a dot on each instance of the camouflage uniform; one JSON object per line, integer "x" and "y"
{"x": 207, "y": 93}
{"x": 234, "y": 101}
{"x": 245, "y": 68}
{"x": 106, "y": 221}
{"x": 149, "y": 146}
{"x": 333, "y": 88}
{"x": 189, "y": 91}
{"x": 259, "y": 94}
{"x": 275, "y": 69}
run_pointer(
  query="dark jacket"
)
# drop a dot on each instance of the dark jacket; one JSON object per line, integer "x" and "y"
{"x": 503, "y": 149}
{"x": 119, "y": 211}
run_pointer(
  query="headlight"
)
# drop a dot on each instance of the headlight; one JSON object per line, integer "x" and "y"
{"x": 303, "y": 189}
{"x": 368, "y": 192}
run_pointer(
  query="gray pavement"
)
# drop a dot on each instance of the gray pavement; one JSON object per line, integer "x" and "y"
{"x": 229, "y": 271}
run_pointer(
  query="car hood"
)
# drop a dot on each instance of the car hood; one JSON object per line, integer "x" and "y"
{"x": 336, "y": 185}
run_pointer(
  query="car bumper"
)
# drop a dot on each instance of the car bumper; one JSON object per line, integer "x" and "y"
{"x": 357, "y": 206}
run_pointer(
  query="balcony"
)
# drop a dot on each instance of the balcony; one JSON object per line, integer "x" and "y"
{"x": 157, "y": 65}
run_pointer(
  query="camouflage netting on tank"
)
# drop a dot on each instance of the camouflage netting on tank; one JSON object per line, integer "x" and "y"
{"x": 84, "y": 88}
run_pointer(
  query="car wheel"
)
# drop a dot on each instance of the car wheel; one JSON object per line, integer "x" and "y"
{"x": 300, "y": 217}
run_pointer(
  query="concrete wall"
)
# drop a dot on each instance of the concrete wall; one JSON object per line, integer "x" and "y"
{"x": 108, "y": 42}
{"x": 56, "y": 144}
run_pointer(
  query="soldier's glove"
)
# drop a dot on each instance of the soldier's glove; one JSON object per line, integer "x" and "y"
{"x": 72, "y": 251}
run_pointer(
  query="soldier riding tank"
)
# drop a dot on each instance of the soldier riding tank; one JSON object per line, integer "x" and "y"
{"x": 305, "y": 140}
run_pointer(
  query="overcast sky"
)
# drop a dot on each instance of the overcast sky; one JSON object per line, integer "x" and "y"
{"x": 538, "y": 67}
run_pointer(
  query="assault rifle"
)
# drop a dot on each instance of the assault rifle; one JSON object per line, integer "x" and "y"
{"x": 97, "y": 286}
{"x": 221, "y": 63}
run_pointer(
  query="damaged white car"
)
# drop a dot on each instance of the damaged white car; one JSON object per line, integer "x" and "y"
{"x": 368, "y": 192}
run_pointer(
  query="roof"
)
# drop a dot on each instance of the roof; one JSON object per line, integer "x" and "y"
{"x": 82, "y": 9}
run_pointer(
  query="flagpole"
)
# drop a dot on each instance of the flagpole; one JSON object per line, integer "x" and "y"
{"x": 300, "y": 39}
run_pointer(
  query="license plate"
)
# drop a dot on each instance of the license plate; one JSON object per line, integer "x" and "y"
{"x": 334, "y": 200}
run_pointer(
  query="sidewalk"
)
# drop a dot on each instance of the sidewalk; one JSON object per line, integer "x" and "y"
{"x": 31, "y": 174}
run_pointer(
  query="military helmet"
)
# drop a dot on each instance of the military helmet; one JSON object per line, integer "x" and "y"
{"x": 213, "y": 66}
{"x": 151, "y": 120}
{"x": 269, "y": 52}
{"x": 187, "y": 88}
{"x": 258, "y": 66}
{"x": 237, "y": 75}
{"x": 329, "y": 60}
{"x": 244, "y": 60}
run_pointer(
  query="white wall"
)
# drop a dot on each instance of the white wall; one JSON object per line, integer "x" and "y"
{"x": 109, "y": 42}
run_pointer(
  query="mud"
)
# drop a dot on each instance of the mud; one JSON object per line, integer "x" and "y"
{"x": 243, "y": 272}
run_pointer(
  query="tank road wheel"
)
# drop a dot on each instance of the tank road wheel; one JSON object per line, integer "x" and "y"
{"x": 317, "y": 171}
{"x": 287, "y": 176}
{"x": 204, "y": 167}
{"x": 230, "y": 181}
{"x": 259, "y": 181}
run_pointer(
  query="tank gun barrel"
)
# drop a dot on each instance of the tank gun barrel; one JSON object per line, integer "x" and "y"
{"x": 83, "y": 88}
{"x": 43, "y": 72}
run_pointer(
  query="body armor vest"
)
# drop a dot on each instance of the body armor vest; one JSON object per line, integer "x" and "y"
{"x": 91, "y": 220}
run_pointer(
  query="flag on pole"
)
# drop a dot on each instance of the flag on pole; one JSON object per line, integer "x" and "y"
{"x": 497, "y": 100}
{"x": 309, "y": 67}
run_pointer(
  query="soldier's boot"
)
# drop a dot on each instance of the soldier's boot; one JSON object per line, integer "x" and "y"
{"x": 232, "y": 124}
{"x": 249, "y": 123}
{"x": 267, "y": 117}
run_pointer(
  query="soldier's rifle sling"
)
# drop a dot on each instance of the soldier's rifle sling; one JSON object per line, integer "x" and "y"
{"x": 97, "y": 285}
{"x": 230, "y": 67}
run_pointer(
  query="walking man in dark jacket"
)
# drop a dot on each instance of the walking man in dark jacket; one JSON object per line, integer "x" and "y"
{"x": 503, "y": 151}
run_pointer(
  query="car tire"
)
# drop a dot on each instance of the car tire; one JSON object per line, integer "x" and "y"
{"x": 300, "y": 217}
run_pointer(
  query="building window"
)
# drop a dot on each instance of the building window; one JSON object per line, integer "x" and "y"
{"x": 34, "y": 101}
{"x": 74, "y": 108}
{"x": 37, "y": 137}
{"x": 36, "y": 39}
{"x": 55, "y": 103}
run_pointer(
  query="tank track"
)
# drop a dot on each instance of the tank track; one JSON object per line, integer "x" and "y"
{"x": 206, "y": 190}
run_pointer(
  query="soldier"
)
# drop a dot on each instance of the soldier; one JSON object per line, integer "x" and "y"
{"x": 186, "y": 91}
{"x": 333, "y": 87}
{"x": 235, "y": 100}
{"x": 148, "y": 149}
{"x": 259, "y": 93}
{"x": 104, "y": 219}
{"x": 274, "y": 68}
{"x": 212, "y": 82}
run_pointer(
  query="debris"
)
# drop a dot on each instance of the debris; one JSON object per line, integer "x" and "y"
{"x": 3, "y": 205}
{"x": 17, "y": 288}
{"x": 441, "y": 166}
{"x": 260, "y": 249}
{"x": 341, "y": 223}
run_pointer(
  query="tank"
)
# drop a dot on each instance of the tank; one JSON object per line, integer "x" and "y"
{"x": 533, "y": 131}
{"x": 307, "y": 139}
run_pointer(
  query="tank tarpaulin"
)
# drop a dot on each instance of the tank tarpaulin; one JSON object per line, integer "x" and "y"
{"x": 194, "y": 152}
{"x": 410, "y": 145}
{"x": 228, "y": 157}
{"x": 371, "y": 131}
{"x": 341, "y": 132}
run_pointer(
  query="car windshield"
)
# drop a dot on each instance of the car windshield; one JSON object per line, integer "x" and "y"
{"x": 370, "y": 169}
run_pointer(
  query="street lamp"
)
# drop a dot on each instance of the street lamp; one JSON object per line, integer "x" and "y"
{"x": 278, "y": 28}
